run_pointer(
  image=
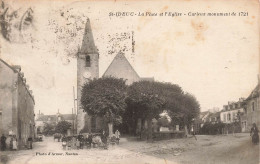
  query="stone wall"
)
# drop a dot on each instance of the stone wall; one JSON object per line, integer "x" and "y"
{"x": 7, "y": 89}
{"x": 16, "y": 104}
{"x": 253, "y": 116}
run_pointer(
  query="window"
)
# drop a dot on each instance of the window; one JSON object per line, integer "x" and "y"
{"x": 88, "y": 61}
{"x": 253, "y": 106}
{"x": 224, "y": 117}
{"x": 228, "y": 117}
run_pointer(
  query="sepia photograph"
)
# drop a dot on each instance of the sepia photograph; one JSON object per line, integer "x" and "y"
{"x": 127, "y": 81}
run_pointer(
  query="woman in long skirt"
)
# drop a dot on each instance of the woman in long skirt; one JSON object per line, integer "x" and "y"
{"x": 255, "y": 136}
{"x": 14, "y": 143}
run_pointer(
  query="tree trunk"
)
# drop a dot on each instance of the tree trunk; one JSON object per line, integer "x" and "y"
{"x": 150, "y": 130}
{"x": 110, "y": 129}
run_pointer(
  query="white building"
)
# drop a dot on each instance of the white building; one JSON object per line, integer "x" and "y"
{"x": 230, "y": 111}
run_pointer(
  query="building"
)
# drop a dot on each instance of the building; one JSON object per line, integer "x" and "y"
{"x": 213, "y": 118}
{"x": 88, "y": 68}
{"x": 252, "y": 109}
{"x": 229, "y": 113}
{"x": 52, "y": 119}
{"x": 16, "y": 104}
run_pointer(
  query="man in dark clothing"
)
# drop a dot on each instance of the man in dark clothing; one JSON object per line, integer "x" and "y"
{"x": 3, "y": 143}
{"x": 254, "y": 134}
{"x": 30, "y": 140}
{"x": 104, "y": 139}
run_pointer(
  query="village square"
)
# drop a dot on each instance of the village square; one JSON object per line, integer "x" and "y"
{"x": 116, "y": 115}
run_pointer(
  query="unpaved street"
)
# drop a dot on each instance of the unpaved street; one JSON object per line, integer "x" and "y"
{"x": 207, "y": 149}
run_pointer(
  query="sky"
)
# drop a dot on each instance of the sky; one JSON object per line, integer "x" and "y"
{"x": 215, "y": 58}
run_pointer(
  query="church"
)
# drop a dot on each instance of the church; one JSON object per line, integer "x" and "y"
{"x": 88, "y": 68}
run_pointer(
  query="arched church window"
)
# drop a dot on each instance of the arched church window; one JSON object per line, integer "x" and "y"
{"x": 87, "y": 61}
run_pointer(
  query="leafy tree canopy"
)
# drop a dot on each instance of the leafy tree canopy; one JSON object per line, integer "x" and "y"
{"x": 62, "y": 127}
{"x": 105, "y": 97}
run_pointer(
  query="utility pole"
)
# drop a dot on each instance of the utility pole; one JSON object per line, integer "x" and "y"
{"x": 73, "y": 127}
{"x": 75, "y": 118}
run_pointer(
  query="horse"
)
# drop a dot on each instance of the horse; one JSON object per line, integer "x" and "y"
{"x": 57, "y": 136}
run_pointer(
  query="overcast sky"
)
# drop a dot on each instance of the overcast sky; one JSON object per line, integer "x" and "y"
{"x": 214, "y": 58}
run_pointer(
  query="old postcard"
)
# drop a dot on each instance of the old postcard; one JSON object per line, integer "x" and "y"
{"x": 126, "y": 81}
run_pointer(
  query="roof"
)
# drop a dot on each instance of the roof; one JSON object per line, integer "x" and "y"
{"x": 88, "y": 45}
{"x": 217, "y": 114}
{"x": 8, "y": 66}
{"x": 54, "y": 117}
{"x": 204, "y": 113}
{"x": 121, "y": 68}
{"x": 254, "y": 93}
{"x": 147, "y": 78}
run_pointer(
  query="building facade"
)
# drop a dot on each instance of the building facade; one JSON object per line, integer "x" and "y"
{"x": 16, "y": 104}
{"x": 229, "y": 114}
{"x": 252, "y": 109}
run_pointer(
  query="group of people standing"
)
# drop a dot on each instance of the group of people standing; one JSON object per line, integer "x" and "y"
{"x": 8, "y": 143}
{"x": 78, "y": 142}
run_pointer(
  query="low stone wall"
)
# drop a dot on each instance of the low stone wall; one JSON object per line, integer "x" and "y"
{"x": 168, "y": 135}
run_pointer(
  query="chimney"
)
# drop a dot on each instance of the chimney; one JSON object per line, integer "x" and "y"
{"x": 17, "y": 68}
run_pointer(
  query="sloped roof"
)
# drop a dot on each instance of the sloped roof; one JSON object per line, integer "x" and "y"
{"x": 121, "y": 68}
{"x": 254, "y": 93}
{"x": 217, "y": 114}
{"x": 147, "y": 78}
{"x": 202, "y": 114}
{"x": 54, "y": 117}
{"x": 88, "y": 44}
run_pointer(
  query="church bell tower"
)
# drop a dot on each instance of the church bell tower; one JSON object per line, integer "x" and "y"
{"x": 87, "y": 68}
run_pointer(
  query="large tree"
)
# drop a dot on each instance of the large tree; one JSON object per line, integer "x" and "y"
{"x": 105, "y": 97}
{"x": 48, "y": 128}
{"x": 62, "y": 127}
{"x": 146, "y": 101}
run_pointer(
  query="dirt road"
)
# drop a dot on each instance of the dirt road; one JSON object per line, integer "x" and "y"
{"x": 207, "y": 149}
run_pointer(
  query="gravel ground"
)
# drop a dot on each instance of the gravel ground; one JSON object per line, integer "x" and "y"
{"x": 206, "y": 149}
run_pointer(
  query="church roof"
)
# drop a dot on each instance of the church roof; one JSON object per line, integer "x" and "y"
{"x": 121, "y": 68}
{"x": 88, "y": 44}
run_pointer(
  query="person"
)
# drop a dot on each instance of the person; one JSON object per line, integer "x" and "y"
{"x": 254, "y": 134}
{"x": 89, "y": 140}
{"x": 74, "y": 144}
{"x": 104, "y": 139}
{"x": 14, "y": 143}
{"x": 11, "y": 143}
{"x": 69, "y": 144}
{"x": 30, "y": 143}
{"x": 117, "y": 134}
{"x": 78, "y": 144}
{"x": 192, "y": 132}
{"x": 3, "y": 143}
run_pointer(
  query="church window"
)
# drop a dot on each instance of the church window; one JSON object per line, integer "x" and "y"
{"x": 87, "y": 61}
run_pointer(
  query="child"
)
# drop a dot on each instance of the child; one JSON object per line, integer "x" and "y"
{"x": 14, "y": 143}
{"x": 117, "y": 134}
{"x": 64, "y": 144}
